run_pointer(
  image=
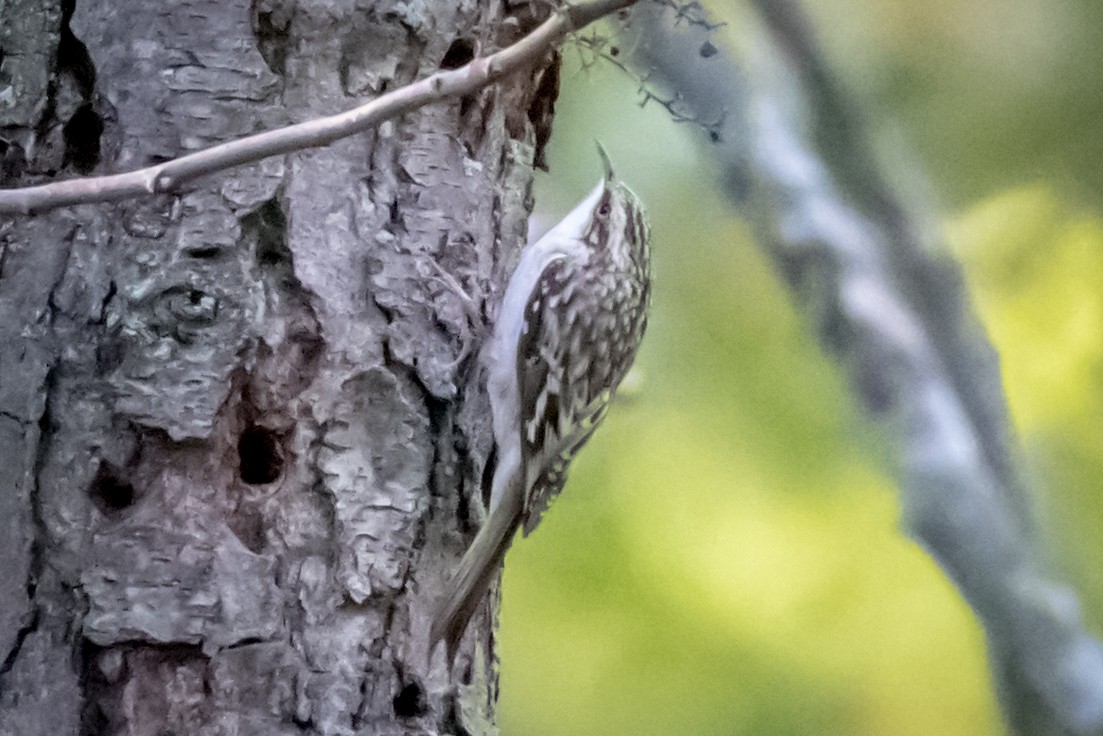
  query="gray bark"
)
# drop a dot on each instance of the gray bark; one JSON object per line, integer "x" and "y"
{"x": 242, "y": 440}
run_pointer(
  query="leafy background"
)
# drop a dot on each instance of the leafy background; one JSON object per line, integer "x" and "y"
{"x": 727, "y": 558}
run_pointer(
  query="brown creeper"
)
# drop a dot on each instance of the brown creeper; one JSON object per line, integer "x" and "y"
{"x": 570, "y": 323}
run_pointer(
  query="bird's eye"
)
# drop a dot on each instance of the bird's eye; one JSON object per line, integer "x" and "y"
{"x": 604, "y": 209}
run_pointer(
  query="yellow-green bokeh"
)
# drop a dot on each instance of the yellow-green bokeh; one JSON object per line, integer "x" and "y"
{"x": 727, "y": 557}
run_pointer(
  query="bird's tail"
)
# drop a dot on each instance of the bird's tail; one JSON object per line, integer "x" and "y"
{"x": 468, "y": 585}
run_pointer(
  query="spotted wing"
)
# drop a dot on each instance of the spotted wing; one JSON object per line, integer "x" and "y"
{"x": 565, "y": 386}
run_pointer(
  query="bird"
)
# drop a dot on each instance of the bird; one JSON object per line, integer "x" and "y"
{"x": 568, "y": 329}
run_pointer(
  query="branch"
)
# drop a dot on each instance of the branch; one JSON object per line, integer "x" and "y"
{"x": 794, "y": 155}
{"x": 170, "y": 175}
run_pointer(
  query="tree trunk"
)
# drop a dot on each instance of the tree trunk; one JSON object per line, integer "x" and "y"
{"x": 243, "y": 434}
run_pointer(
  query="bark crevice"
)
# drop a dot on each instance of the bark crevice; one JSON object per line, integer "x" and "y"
{"x": 257, "y": 443}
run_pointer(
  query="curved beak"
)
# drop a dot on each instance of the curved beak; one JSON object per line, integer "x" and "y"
{"x": 610, "y": 175}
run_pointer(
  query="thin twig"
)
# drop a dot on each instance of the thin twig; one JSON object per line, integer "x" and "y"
{"x": 170, "y": 175}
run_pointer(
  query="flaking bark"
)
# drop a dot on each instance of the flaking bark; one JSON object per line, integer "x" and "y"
{"x": 239, "y": 450}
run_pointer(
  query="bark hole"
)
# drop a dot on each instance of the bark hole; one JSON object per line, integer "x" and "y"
{"x": 204, "y": 252}
{"x": 461, "y": 52}
{"x": 110, "y": 493}
{"x": 261, "y": 460}
{"x": 410, "y": 702}
{"x": 82, "y": 139}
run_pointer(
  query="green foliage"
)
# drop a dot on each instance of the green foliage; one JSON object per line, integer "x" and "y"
{"x": 1035, "y": 266}
{"x": 727, "y": 558}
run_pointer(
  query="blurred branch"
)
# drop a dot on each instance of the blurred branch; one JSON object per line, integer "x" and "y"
{"x": 170, "y": 175}
{"x": 795, "y": 157}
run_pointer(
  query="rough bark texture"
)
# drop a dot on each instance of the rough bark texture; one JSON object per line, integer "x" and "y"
{"x": 240, "y": 448}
